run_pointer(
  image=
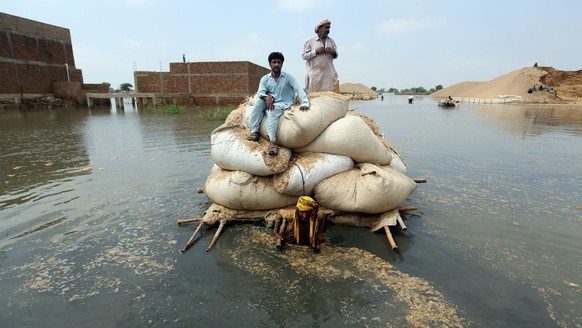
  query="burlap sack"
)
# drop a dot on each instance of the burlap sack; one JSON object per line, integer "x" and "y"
{"x": 238, "y": 116}
{"x": 231, "y": 150}
{"x": 298, "y": 128}
{"x": 307, "y": 169}
{"x": 398, "y": 163}
{"x": 243, "y": 191}
{"x": 351, "y": 136}
{"x": 367, "y": 188}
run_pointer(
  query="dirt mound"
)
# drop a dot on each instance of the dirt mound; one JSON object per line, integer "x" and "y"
{"x": 456, "y": 89}
{"x": 358, "y": 91}
{"x": 566, "y": 84}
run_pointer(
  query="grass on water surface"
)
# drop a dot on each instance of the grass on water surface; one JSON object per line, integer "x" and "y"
{"x": 219, "y": 113}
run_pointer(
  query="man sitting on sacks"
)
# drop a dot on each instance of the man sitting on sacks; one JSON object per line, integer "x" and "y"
{"x": 276, "y": 94}
{"x": 302, "y": 226}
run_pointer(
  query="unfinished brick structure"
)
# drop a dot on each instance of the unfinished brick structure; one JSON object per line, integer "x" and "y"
{"x": 208, "y": 83}
{"x": 36, "y": 60}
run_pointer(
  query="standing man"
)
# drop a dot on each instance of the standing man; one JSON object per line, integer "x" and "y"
{"x": 276, "y": 94}
{"x": 302, "y": 226}
{"x": 319, "y": 53}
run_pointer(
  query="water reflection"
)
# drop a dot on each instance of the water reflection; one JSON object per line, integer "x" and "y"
{"x": 39, "y": 148}
{"x": 532, "y": 120}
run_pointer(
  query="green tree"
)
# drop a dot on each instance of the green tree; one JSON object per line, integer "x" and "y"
{"x": 107, "y": 85}
{"x": 438, "y": 87}
{"x": 373, "y": 88}
{"x": 125, "y": 87}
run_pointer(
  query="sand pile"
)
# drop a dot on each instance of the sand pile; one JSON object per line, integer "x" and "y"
{"x": 358, "y": 91}
{"x": 567, "y": 86}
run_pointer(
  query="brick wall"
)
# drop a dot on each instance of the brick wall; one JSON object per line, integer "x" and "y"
{"x": 67, "y": 90}
{"x": 210, "y": 83}
{"x": 33, "y": 56}
{"x": 29, "y": 27}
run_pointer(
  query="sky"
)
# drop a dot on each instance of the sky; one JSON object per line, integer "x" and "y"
{"x": 381, "y": 43}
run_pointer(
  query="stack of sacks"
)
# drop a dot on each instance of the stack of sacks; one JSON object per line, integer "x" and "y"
{"x": 336, "y": 156}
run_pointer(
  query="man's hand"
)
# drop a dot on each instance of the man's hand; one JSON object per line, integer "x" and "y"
{"x": 329, "y": 212}
{"x": 304, "y": 108}
{"x": 270, "y": 102}
{"x": 330, "y": 51}
{"x": 320, "y": 50}
{"x": 279, "y": 241}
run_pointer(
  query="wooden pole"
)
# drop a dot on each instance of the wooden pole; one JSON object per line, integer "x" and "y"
{"x": 216, "y": 235}
{"x": 399, "y": 219}
{"x": 406, "y": 208}
{"x": 185, "y": 221}
{"x": 191, "y": 240}
{"x": 390, "y": 239}
{"x": 423, "y": 180}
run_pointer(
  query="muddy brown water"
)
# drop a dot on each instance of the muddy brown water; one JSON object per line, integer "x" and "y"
{"x": 89, "y": 201}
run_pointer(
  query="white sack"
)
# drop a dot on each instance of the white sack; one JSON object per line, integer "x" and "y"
{"x": 232, "y": 151}
{"x": 368, "y": 188}
{"x": 397, "y": 163}
{"x": 298, "y": 128}
{"x": 309, "y": 169}
{"x": 243, "y": 191}
{"x": 351, "y": 136}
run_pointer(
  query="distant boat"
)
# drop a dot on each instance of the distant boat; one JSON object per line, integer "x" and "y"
{"x": 447, "y": 102}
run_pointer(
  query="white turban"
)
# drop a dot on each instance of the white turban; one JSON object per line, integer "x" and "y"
{"x": 321, "y": 23}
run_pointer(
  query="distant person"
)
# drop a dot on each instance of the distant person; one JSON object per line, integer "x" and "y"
{"x": 276, "y": 94}
{"x": 319, "y": 53}
{"x": 303, "y": 226}
{"x": 184, "y": 58}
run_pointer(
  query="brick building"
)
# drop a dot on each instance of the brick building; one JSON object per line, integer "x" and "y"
{"x": 37, "y": 60}
{"x": 208, "y": 83}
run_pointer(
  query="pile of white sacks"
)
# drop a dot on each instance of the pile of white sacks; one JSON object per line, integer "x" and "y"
{"x": 335, "y": 155}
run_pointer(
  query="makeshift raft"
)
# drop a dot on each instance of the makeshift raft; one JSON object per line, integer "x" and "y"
{"x": 448, "y": 103}
{"x": 337, "y": 156}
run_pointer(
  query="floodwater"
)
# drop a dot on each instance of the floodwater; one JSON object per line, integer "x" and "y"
{"x": 89, "y": 201}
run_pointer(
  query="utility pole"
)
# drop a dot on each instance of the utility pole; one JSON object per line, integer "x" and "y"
{"x": 135, "y": 77}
